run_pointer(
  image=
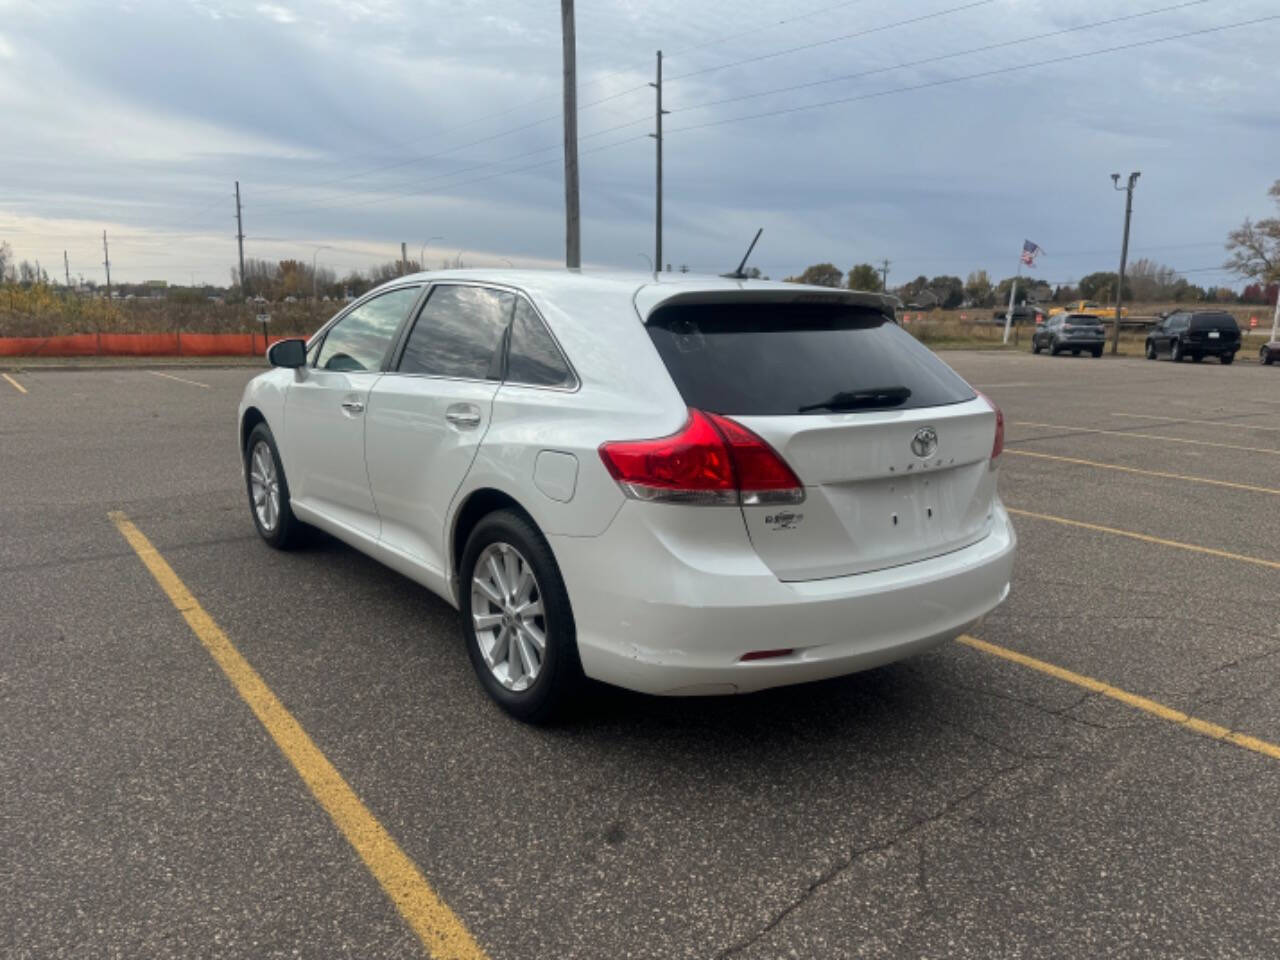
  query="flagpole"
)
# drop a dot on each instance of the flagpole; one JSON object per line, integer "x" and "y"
{"x": 1013, "y": 292}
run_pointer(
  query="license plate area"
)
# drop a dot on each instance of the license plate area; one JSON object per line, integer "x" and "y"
{"x": 1214, "y": 335}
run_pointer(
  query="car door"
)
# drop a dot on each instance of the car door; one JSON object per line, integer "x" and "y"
{"x": 325, "y": 411}
{"x": 1160, "y": 334}
{"x": 428, "y": 415}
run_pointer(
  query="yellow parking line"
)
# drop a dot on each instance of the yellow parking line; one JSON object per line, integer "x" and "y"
{"x": 1212, "y": 423}
{"x": 16, "y": 385}
{"x": 1146, "y": 538}
{"x": 1146, "y": 473}
{"x": 194, "y": 383}
{"x": 1203, "y": 727}
{"x": 1143, "y": 436}
{"x": 441, "y": 931}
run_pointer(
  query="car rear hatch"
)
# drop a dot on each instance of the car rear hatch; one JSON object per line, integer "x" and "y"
{"x": 1214, "y": 331}
{"x": 1082, "y": 328}
{"x": 892, "y": 448}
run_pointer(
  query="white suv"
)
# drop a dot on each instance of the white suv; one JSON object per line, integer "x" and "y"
{"x": 679, "y": 486}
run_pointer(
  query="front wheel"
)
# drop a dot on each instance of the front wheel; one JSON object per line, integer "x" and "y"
{"x": 1151, "y": 350}
{"x": 1175, "y": 352}
{"x": 269, "y": 491}
{"x": 1035, "y": 345}
{"x": 1265, "y": 356}
{"x": 516, "y": 619}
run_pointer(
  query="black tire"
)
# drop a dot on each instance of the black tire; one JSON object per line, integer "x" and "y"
{"x": 1075, "y": 353}
{"x": 1035, "y": 344}
{"x": 1053, "y": 348}
{"x": 1097, "y": 352}
{"x": 559, "y": 679}
{"x": 287, "y": 531}
{"x": 1227, "y": 359}
{"x": 1175, "y": 352}
{"x": 1197, "y": 357}
{"x": 1265, "y": 356}
{"x": 1151, "y": 350}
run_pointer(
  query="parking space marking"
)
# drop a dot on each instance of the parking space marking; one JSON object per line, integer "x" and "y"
{"x": 1139, "y": 436}
{"x": 441, "y": 931}
{"x": 1147, "y": 538}
{"x": 1147, "y": 473}
{"x": 1212, "y": 423}
{"x": 16, "y": 385}
{"x": 194, "y": 383}
{"x": 1204, "y": 728}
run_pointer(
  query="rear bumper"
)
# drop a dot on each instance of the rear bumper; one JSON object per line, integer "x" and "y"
{"x": 671, "y": 609}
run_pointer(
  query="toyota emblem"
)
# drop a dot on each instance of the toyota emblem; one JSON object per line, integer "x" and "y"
{"x": 925, "y": 443}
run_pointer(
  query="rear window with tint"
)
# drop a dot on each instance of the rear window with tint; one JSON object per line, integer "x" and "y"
{"x": 775, "y": 359}
{"x": 1213, "y": 321}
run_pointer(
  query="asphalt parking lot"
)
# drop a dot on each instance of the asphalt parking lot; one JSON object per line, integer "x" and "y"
{"x": 983, "y": 800}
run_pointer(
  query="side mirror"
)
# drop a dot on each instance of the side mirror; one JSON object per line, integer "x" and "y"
{"x": 288, "y": 353}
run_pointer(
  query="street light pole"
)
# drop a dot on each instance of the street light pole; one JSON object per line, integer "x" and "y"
{"x": 573, "y": 237}
{"x": 1124, "y": 251}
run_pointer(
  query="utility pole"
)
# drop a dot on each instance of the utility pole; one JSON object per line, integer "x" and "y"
{"x": 66, "y": 266}
{"x": 657, "y": 235}
{"x": 572, "y": 224}
{"x": 884, "y": 275}
{"x": 1124, "y": 251}
{"x": 244, "y": 290}
{"x": 106, "y": 262}
{"x": 404, "y": 259}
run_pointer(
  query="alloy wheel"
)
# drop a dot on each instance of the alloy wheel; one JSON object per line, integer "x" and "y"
{"x": 508, "y": 621}
{"x": 264, "y": 486}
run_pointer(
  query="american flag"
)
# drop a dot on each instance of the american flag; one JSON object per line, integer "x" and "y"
{"x": 1029, "y": 252}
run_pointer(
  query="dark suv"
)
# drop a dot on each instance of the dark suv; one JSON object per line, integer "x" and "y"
{"x": 1210, "y": 333}
{"x": 1077, "y": 332}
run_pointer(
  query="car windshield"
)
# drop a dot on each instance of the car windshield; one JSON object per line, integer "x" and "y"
{"x": 772, "y": 359}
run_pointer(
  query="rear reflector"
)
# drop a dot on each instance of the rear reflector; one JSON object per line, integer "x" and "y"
{"x": 766, "y": 654}
{"x": 712, "y": 460}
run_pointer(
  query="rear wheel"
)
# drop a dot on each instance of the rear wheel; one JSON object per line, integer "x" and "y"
{"x": 1197, "y": 357}
{"x": 1053, "y": 348}
{"x": 1035, "y": 344}
{"x": 269, "y": 491}
{"x": 516, "y": 619}
{"x": 1265, "y": 356}
{"x": 1175, "y": 352}
{"x": 1097, "y": 352}
{"x": 1151, "y": 350}
{"x": 1227, "y": 359}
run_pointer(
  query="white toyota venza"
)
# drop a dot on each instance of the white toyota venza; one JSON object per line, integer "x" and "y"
{"x": 675, "y": 485}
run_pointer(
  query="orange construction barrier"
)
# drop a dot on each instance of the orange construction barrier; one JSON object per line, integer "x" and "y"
{"x": 136, "y": 345}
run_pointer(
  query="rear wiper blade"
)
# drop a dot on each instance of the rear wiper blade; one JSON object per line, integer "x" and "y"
{"x": 861, "y": 399}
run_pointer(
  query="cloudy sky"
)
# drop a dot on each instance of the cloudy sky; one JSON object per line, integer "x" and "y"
{"x": 850, "y": 131}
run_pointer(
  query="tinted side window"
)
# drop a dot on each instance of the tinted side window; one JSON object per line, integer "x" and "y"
{"x": 533, "y": 357}
{"x": 360, "y": 340}
{"x": 458, "y": 333}
{"x": 767, "y": 359}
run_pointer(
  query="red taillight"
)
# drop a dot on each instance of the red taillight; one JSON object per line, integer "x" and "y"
{"x": 997, "y": 447}
{"x": 762, "y": 475}
{"x": 712, "y": 460}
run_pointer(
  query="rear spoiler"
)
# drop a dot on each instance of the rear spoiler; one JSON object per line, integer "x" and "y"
{"x": 652, "y": 296}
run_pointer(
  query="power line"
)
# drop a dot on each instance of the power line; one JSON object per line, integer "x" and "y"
{"x": 975, "y": 76}
{"x": 829, "y": 40}
{"x": 946, "y": 56}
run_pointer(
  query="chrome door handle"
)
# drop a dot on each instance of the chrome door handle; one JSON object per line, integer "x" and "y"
{"x": 353, "y": 406}
{"x": 465, "y": 417}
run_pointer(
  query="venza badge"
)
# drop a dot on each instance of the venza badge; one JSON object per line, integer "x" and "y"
{"x": 925, "y": 443}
